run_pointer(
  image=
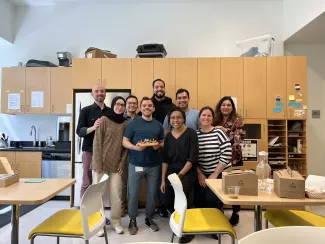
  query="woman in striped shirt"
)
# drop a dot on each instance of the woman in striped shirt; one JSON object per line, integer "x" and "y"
{"x": 214, "y": 157}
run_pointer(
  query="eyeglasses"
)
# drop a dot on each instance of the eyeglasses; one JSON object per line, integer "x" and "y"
{"x": 176, "y": 118}
{"x": 120, "y": 105}
{"x": 132, "y": 103}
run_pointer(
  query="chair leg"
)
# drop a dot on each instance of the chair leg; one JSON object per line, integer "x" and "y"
{"x": 57, "y": 240}
{"x": 219, "y": 238}
{"x": 172, "y": 240}
{"x": 86, "y": 241}
{"x": 32, "y": 239}
{"x": 105, "y": 234}
{"x": 266, "y": 224}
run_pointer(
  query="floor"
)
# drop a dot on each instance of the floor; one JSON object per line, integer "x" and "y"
{"x": 30, "y": 220}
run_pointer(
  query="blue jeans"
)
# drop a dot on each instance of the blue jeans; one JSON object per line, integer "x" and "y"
{"x": 151, "y": 174}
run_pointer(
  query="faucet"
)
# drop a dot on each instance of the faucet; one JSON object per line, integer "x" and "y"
{"x": 31, "y": 133}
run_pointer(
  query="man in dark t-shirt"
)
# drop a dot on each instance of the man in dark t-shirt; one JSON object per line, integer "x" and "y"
{"x": 144, "y": 163}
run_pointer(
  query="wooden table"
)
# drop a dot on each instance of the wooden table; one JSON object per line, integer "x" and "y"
{"x": 263, "y": 198}
{"x": 30, "y": 194}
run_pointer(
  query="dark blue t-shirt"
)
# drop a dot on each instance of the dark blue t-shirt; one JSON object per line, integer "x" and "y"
{"x": 140, "y": 129}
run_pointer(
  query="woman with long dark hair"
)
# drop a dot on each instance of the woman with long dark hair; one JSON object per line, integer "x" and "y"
{"x": 228, "y": 120}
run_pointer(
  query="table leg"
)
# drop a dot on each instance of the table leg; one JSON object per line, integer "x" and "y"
{"x": 258, "y": 218}
{"x": 15, "y": 224}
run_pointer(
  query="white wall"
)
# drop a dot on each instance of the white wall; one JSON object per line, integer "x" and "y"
{"x": 7, "y": 11}
{"x": 316, "y": 101}
{"x": 193, "y": 29}
{"x": 298, "y": 13}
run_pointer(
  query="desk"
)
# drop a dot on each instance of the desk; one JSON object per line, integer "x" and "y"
{"x": 31, "y": 194}
{"x": 263, "y": 198}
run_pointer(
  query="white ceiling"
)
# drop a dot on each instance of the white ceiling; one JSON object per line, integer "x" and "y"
{"x": 312, "y": 33}
{"x": 57, "y": 2}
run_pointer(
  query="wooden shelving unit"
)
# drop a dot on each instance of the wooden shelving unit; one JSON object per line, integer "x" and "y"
{"x": 297, "y": 160}
{"x": 278, "y": 151}
{"x": 287, "y": 154}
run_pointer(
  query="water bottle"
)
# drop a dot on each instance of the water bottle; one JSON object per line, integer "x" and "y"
{"x": 263, "y": 171}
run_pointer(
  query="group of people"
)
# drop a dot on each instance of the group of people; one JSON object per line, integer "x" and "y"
{"x": 195, "y": 145}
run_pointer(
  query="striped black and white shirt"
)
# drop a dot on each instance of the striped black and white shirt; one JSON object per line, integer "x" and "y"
{"x": 214, "y": 148}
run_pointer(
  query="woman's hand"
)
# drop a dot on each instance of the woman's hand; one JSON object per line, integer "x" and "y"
{"x": 213, "y": 176}
{"x": 202, "y": 179}
{"x": 162, "y": 186}
{"x": 120, "y": 171}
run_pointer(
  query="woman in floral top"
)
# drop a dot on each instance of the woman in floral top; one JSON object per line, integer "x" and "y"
{"x": 232, "y": 124}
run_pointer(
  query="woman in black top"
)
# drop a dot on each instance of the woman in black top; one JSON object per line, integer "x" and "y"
{"x": 180, "y": 156}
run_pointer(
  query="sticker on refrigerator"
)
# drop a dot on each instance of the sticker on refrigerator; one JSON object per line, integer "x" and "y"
{"x": 37, "y": 99}
{"x": 299, "y": 113}
{"x": 249, "y": 150}
{"x": 13, "y": 101}
{"x": 278, "y": 104}
{"x": 277, "y": 110}
{"x": 292, "y": 98}
{"x": 297, "y": 87}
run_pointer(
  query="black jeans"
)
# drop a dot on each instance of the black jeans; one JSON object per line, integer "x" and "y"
{"x": 188, "y": 182}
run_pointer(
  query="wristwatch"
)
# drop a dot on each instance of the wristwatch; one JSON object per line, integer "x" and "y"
{"x": 180, "y": 176}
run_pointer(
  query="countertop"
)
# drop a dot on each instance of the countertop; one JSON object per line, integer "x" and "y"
{"x": 34, "y": 149}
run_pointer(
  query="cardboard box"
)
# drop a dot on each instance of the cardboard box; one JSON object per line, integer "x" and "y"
{"x": 8, "y": 179}
{"x": 289, "y": 184}
{"x": 245, "y": 179}
{"x": 93, "y": 52}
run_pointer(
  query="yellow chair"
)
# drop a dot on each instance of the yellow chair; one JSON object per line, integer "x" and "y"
{"x": 313, "y": 217}
{"x": 83, "y": 223}
{"x": 197, "y": 221}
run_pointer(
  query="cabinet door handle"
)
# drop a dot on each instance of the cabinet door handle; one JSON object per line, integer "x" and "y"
{"x": 290, "y": 112}
{"x": 52, "y": 108}
{"x": 246, "y": 113}
{"x": 263, "y": 127}
{"x": 27, "y": 108}
{"x": 239, "y": 111}
{"x": 104, "y": 82}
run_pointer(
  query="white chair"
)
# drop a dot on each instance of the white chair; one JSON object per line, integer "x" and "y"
{"x": 314, "y": 216}
{"x": 197, "y": 221}
{"x": 83, "y": 223}
{"x": 287, "y": 235}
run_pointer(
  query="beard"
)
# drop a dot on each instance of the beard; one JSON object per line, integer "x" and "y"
{"x": 100, "y": 99}
{"x": 159, "y": 96}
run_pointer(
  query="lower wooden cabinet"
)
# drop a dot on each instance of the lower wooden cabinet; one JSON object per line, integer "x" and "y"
{"x": 27, "y": 164}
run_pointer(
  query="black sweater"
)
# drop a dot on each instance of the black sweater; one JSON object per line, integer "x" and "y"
{"x": 177, "y": 152}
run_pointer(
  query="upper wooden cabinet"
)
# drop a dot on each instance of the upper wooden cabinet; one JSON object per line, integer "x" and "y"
{"x": 38, "y": 83}
{"x": 208, "y": 82}
{"x": 297, "y": 87}
{"x": 61, "y": 90}
{"x": 116, "y": 73}
{"x": 13, "y": 90}
{"x": 164, "y": 68}
{"x": 142, "y": 77}
{"x": 232, "y": 80}
{"x": 86, "y": 72}
{"x": 186, "y": 77}
{"x": 255, "y": 88}
{"x": 276, "y": 87}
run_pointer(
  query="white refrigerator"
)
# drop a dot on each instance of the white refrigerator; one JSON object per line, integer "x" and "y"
{"x": 83, "y": 99}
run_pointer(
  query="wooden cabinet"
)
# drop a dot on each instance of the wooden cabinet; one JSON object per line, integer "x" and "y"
{"x": 142, "y": 77}
{"x": 255, "y": 88}
{"x": 297, "y": 75}
{"x": 61, "y": 90}
{"x": 276, "y": 87}
{"x": 13, "y": 89}
{"x": 29, "y": 164}
{"x": 38, "y": 83}
{"x": 11, "y": 157}
{"x": 232, "y": 80}
{"x": 256, "y": 129}
{"x": 165, "y": 69}
{"x": 186, "y": 77}
{"x": 208, "y": 82}
{"x": 86, "y": 72}
{"x": 116, "y": 73}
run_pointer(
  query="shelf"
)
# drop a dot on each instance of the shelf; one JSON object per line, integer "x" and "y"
{"x": 278, "y": 130}
{"x": 277, "y": 147}
{"x": 296, "y": 136}
{"x": 275, "y": 136}
{"x": 279, "y": 159}
{"x": 275, "y": 125}
{"x": 277, "y": 153}
{"x": 294, "y": 131}
{"x": 296, "y": 153}
{"x": 297, "y": 159}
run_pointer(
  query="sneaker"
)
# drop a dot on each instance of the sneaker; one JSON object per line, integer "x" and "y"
{"x": 151, "y": 224}
{"x": 162, "y": 210}
{"x": 133, "y": 228}
{"x": 100, "y": 233}
{"x": 108, "y": 222}
{"x": 234, "y": 219}
{"x": 119, "y": 230}
{"x": 186, "y": 239}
